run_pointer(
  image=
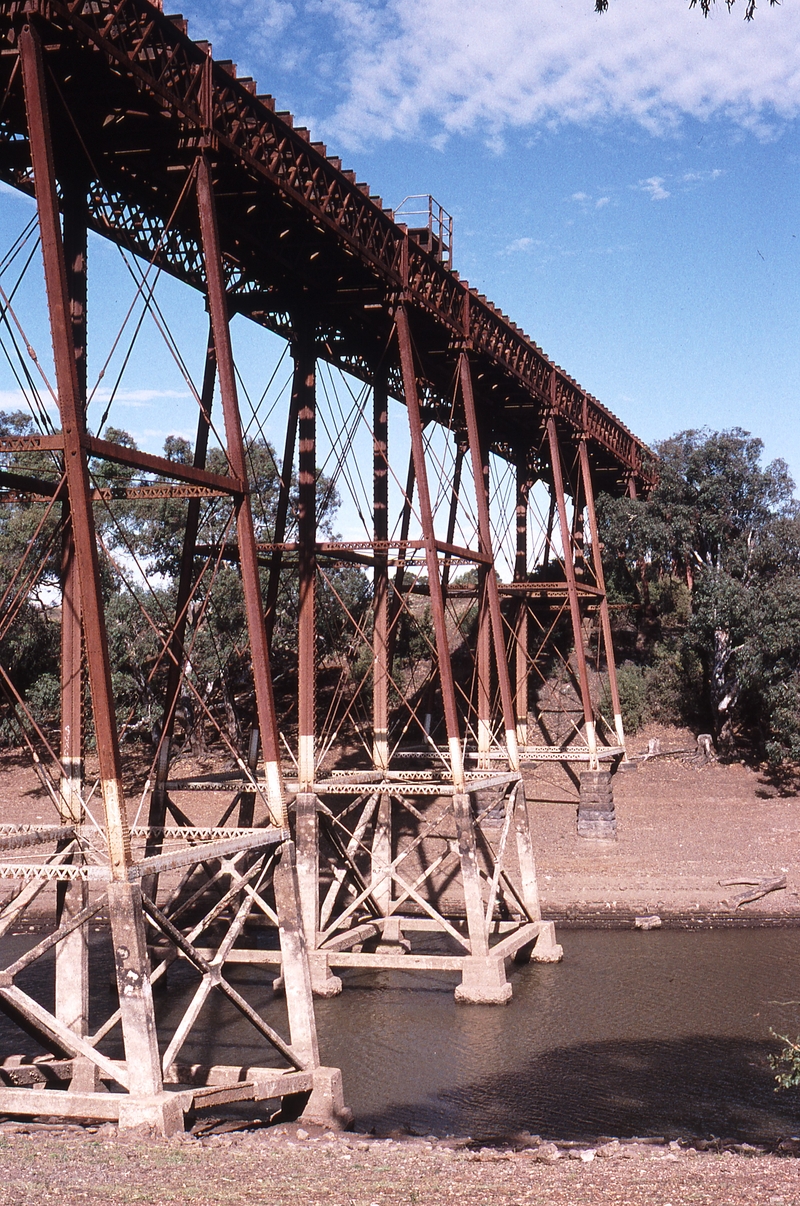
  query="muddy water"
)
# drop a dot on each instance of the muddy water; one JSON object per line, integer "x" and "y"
{"x": 660, "y": 1033}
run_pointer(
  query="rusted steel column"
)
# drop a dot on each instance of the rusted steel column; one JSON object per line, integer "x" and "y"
{"x": 158, "y": 800}
{"x": 127, "y": 923}
{"x": 75, "y": 461}
{"x": 572, "y": 592}
{"x": 380, "y": 646}
{"x": 480, "y": 471}
{"x": 282, "y": 509}
{"x": 431, "y": 556}
{"x": 75, "y": 230}
{"x": 549, "y": 555}
{"x": 605, "y": 618}
{"x": 245, "y": 532}
{"x": 455, "y": 495}
{"x": 484, "y": 660}
{"x": 521, "y": 696}
{"x": 395, "y": 601}
{"x": 305, "y": 362}
{"x": 381, "y": 853}
{"x": 72, "y": 953}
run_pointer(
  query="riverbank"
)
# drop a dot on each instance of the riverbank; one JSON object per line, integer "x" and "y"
{"x": 284, "y": 1166}
{"x": 684, "y": 828}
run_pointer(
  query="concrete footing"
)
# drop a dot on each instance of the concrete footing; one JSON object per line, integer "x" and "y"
{"x": 546, "y": 949}
{"x": 596, "y": 816}
{"x": 392, "y": 937}
{"x": 163, "y": 1113}
{"x": 323, "y": 981}
{"x": 325, "y": 1106}
{"x": 483, "y": 982}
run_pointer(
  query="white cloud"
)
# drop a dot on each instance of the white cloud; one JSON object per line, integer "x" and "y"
{"x": 655, "y": 187}
{"x": 434, "y": 66}
{"x": 601, "y": 202}
{"x": 138, "y": 398}
{"x": 524, "y": 244}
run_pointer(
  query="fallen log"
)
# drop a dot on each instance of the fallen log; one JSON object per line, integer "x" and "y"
{"x": 758, "y": 888}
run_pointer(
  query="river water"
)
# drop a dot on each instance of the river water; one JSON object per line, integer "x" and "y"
{"x": 660, "y": 1033}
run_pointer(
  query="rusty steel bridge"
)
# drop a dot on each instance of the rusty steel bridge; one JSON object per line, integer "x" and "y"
{"x": 376, "y": 815}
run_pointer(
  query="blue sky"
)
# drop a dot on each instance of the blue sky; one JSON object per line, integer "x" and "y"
{"x": 624, "y": 186}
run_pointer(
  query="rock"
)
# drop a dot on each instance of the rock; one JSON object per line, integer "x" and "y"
{"x": 547, "y": 1153}
{"x": 651, "y": 922}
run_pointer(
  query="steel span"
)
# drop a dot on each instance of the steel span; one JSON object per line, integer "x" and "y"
{"x": 392, "y": 762}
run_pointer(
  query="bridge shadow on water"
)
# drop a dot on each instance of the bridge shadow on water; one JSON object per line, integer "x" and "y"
{"x": 697, "y": 1087}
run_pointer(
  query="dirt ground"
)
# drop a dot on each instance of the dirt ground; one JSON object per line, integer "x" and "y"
{"x": 286, "y": 1166}
{"x": 682, "y": 828}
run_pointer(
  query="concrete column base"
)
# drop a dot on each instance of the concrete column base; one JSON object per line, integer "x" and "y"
{"x": 546, "y": 949}
{"x": 163, "y": 1113}
{"x": 483, "y": 982}
{"x": 392, "y": 938}
{"x": 596, "y": 816}
{"x": 325, "y": 1106}
{"x": 323, "y": 982}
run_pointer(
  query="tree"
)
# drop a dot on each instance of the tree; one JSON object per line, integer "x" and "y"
{"x": 721, "y": 531}
{"x": 601, "y": 6}
{"x": 143, "y": 540}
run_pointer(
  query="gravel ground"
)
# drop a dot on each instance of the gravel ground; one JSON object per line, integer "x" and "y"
{"x": 287, "y": 1165}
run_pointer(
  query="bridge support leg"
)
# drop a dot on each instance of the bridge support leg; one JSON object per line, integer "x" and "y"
{"x": 605, "y": 618}
{"x": 307, "y": 836}
{"x": 483, "y": 979}
{"x": 127, "y": 923}
{"x": 245, "y": 532}
{"x": 572, "y": 591}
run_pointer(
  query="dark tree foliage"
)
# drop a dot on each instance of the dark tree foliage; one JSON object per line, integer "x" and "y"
{"x": 601, "y": 6}
{"x": 141, "y": 543}
{"x": 711, "y": 564}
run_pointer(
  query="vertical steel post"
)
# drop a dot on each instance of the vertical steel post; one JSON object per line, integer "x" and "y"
{"x": 605, "y": 618}
{"x": 282, "y": 509}
{"x": 381, "y": 854}
{"x": 521, "y": 695}
{"x": 380, "y": 650}
{"x": 305, "y": 361}
{"x": 248, "y": 559}
{"x": 572, "y": 592}
{"x": 158, "y": 800}
{"x": 484, "y": 666}
{"x": 127, "y": 925}
{"x": 480, "y": 471}
{"x": 431, "y": 555}
{"x": 395, "y": 601}
{"x": 72, "y": 954}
